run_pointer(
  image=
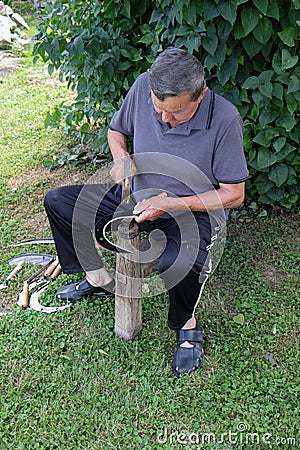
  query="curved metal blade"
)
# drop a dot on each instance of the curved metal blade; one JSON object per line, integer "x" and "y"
{"x": 35, "y": 305}
{"x": 34, "y": 241}
{"x": 32, "y": 258}
{"x": 103, "y": 226}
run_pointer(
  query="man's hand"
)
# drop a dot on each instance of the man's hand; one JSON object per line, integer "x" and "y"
{"x": 152, "y": 208}
{"x": 122, "y": 168}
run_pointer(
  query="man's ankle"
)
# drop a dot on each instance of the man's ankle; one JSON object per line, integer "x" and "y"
{"x": 189, "y": 324}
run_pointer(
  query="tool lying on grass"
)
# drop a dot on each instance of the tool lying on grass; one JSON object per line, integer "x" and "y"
{"x": 32, "y": 258}
{"x": 37, "y": 306}
{"x": 21, "y": 260}
{"x": 34, "y": 241}
{"x": 48, "y": 275}
{"x": 13, "y": 273}
{"x": 40, "y": 276}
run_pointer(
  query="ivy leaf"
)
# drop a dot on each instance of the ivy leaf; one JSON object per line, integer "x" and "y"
{"x": 89, "y": 67}
{"x": 262, "y": 5}
{"x": 228, "y": 10}
{"x": 53, "y": 50}
{"x": 279, "y": 174}
{"x": 275, "y": 194}
{"x": 77, "y": 47}
{"x": 250, "y": 18}
{"x": 210, "y": 43}
{"x": 108, "y": 69}
{"x": 210, "y": 10}
{"x": 251, "y": 83}
{"x": 263, "y": 30}
{"x": 277, "y": 63}
{"x": 279, "y": 143}
{"x": 286, "y": 120}
{"x": 81, "y": 89}
{"x": 265, "y": 158}
{"x": 273, "y": 10}
{"x": 285, "y": 152}
{"x": 278, "y": 90}
{"x": 93, "y": 47}
{"x": 267, "y": 116}
{"x": 239, "y": 31}
{"x": 288, "y": 36}
{"x": 224, "y": 29}
{"x": 294, "y": 85}
{"x": 251, "y": 45}
{"x": 239, "y": 318}
{"x": 296, "y": 4}
{"x": 266, "y": 89}
{"x": 126, "y": 11}
{"x": 263, "y": 184}
{"x": 259, "y": 99}
{"x": 228, "y": 70}
{"x": 288, "y": 60}
{"x": 265, "y": 137}
{"x": 266, "y": 75}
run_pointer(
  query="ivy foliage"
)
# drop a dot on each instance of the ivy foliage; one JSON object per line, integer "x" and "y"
{"x": 250, "y": 50}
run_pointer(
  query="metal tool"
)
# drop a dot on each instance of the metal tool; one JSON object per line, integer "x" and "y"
{"x": 105, "y": 224}
{"x": 37, "y": 306}
{"x": 32, "y": 258}
{"x": 125, "y": 190}
{"x": 45, "y": 272}
{"x": 13, "y": 273}
{"x": 34, "y": 302}
{"x": 34, "y": 241}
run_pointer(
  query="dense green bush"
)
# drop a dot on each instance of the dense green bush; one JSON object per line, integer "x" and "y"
{"x": 249, "y": 49}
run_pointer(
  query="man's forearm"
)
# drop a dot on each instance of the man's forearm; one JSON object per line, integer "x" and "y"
{"x": 228, "y": 196}
{"x": 117, "y": 143}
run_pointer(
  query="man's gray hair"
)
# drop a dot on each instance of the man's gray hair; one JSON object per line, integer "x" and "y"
{"x": 176, "y": 72}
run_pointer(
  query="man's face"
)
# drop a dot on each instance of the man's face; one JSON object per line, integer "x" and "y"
{"x": 176, "y": 110}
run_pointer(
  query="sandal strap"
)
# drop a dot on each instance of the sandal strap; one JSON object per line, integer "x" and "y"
{"x": 193, "y": 335}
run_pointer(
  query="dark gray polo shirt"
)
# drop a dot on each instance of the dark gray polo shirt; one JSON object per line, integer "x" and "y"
{"x": 190, "y": 158}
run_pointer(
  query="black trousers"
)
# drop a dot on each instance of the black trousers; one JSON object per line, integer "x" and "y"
{"x": 73, "y": 212}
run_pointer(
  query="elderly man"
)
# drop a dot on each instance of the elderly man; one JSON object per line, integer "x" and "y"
{"x": 188, "y": 145}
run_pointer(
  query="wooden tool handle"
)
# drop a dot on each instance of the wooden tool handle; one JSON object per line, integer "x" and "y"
{"x": 56, "y": 272}
{"x": 16, "y": 270}
{"x": 24, "y": 296}
{"x": 51, "y": 268}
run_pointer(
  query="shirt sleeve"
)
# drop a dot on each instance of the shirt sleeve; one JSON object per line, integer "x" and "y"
{"x": 229, "y": 162}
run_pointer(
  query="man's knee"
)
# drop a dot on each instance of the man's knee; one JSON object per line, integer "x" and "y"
{"x": 52, "y": 197}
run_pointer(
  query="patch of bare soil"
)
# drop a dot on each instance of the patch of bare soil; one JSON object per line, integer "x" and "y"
{"x": 8, "y": 63}
{"x": 274, "y": 277}
{"x": 51, "y": 82}
{"x": 43, "y": 180}
{"x": 56, "y": 178}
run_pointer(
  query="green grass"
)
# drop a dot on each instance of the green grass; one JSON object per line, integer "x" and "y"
{"x": 66, "y": 381}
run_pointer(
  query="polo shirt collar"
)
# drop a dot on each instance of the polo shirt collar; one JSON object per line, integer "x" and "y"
{"x": 200, "y": 120}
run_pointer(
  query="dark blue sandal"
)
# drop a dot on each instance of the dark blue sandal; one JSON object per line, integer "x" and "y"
{"x": 188, "y": 359}
{"x": 75, "y": 292}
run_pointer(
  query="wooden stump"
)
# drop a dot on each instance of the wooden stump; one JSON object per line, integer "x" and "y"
{"x": 128, "y": 297}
